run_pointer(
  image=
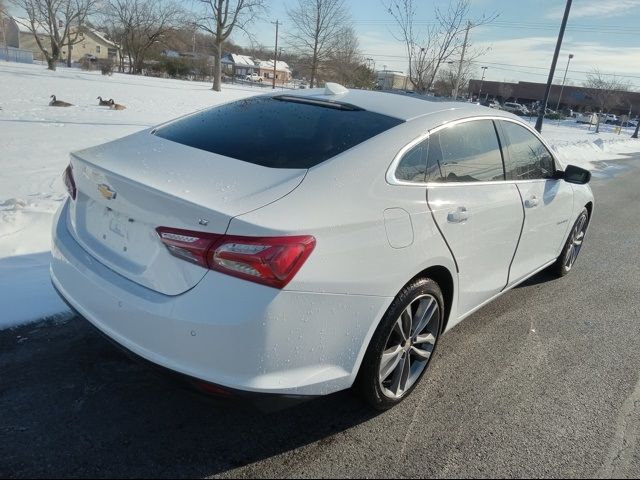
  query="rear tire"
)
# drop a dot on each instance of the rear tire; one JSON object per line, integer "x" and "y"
{"x": 402, "y": 346}
{"x": 573, "y": 245}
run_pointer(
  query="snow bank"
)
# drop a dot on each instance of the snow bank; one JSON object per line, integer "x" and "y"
{"x": 579, "y": 145}
{"x": 35, "y": 141}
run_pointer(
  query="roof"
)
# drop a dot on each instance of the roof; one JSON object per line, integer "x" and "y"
{"x": 404, "y": 107}
{"x": 24, "y": 26}
{"x": 102, "y": 37}
{"x": 268, "y": 64}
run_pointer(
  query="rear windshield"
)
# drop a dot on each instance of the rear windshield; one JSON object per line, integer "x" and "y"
{"x": 278, "y": 133}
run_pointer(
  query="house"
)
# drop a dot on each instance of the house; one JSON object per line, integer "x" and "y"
{"x": 89, "y": 42}
{"x": 283, "y": 72}
{"x": 238, "y": 65}
{"x": 392, "y": 80}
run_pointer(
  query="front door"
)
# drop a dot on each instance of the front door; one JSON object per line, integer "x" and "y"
{"x": 547, "y": 202}
{"x": 479, "y": 214}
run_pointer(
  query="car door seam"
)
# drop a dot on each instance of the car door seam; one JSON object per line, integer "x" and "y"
{"x": 433, "y": 216}
{"x": 515, "y": 252}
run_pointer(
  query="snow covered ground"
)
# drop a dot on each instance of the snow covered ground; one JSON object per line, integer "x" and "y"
{"x": 35, "y": 141}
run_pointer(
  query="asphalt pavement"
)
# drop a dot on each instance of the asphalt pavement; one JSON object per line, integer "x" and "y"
{"x": 545, "y": 381}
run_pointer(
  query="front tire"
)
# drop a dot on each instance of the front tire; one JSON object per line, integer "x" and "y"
{"x": 572, "y": 247}
{"x": 402, "y": 346}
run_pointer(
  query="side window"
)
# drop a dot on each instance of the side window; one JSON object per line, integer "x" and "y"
{"x": 467, "y": 152}
{"x": 413, "y": 166}
{"x": 529, "y": 159}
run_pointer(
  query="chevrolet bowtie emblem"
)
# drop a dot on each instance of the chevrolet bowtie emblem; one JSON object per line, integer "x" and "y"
{"x": 106, "y": 192}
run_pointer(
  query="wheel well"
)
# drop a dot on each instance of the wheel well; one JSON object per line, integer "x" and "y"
{"x": 589, "y": 207}
{"x": 443, "y": 278}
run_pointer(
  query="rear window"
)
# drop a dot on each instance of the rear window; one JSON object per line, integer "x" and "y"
{"x": 278, "y": 133}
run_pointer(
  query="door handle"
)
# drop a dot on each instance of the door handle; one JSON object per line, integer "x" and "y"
{"x": 458, "y": 216}
{"x": 531, "y": 202}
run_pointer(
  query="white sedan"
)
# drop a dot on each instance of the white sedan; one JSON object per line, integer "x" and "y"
{"x": 304, "y": 243}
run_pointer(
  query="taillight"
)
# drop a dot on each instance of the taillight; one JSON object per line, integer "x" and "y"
{"x": 69, "y": 182}
{"x": 187, "y": 245}
{"x": 272, "y": 261}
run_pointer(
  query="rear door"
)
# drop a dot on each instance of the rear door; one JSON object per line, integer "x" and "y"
{"x": 547, "y": 202}
{"x": 479, "y": 214}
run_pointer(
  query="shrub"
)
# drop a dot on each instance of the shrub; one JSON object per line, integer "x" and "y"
{"x": 106, "y": 67}
{"x": 86, "y": 64}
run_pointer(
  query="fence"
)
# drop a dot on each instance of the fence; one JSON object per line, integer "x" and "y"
{"x": 18, "y": 55}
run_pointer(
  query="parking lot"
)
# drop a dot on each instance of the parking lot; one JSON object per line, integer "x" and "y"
{"x": 542, "y": 382}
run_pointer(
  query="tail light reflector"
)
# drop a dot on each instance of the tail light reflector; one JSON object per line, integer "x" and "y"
{"x": 69, "y": 182}
{"x": 271, "y": 261}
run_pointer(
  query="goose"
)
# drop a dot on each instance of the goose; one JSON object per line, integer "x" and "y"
{"x": 58, "y": 103}
{"x": 104, "y": 103}
{"x": 116, "y": 106}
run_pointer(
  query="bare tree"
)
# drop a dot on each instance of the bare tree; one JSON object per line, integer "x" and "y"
{"x": 430, "y": 47}
{"x": 316, "y": 27}
{"x": 3, "y": 15}
{"x": 446, "y": 79}
{"x": 344, "y": 59}
{"x": 88, "y": 9}
{"x": 606, "y": 90}
{"x": 221, "y": 18}
{"x": 140, "y": 25}
{"x": 51, "y": 21}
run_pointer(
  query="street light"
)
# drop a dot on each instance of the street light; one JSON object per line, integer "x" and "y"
{"x": 563, "y": 81}
{"x": 484, "y": 71}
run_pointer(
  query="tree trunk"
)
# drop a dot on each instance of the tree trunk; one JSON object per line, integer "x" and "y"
{"x": 69, "y": 55}
{"x": 51, "y": 63}
{"x": 217, "y": 68}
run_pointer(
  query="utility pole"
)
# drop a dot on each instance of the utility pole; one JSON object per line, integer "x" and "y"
{"x": 464, "y": 49}
{"x": 563, "y": 81}
{"x": 275, "y": 60}
{"x": 635, "y": 134}
{"x": 484, "y": 70}
{"x": 543, "y": 106}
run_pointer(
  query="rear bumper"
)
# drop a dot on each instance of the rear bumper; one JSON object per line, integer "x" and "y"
{"x": 226, "y": 331}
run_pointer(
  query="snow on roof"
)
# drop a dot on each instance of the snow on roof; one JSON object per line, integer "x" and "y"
{"x": 24, "y": 26}
{"x": 101, "y": 36}
{"x": 243, "y": 60}
{"x": 268, "y": 64}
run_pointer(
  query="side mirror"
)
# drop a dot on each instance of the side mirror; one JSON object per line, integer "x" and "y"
{"x": 577, "y": 175}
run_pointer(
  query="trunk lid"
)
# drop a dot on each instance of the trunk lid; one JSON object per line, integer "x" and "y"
{"x": 128, "y": 188}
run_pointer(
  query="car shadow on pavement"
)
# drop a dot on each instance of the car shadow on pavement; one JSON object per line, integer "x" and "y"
{"x": 72, "y": 404}
{"x": 544, "y": 276}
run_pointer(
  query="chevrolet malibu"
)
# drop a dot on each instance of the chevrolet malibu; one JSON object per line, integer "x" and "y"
{"x": 304, "y": 243}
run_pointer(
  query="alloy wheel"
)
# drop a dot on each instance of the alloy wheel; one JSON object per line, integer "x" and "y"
{"x": 409, "y": 346}
{"x": 576, "y": 239}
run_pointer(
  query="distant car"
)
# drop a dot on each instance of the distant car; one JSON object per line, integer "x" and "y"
{"x": 587, "y": 117}
{"x": 567, "y": 112}
{"x": 90, "y": 57}
{"x": 253, "y": 77}
{"x": 627, "y": 123}
{"x": 254, "y": 271}
{"x": 609, "y": 118}
{"x": 492, "y": 104}
{"x": 515, "y": 108}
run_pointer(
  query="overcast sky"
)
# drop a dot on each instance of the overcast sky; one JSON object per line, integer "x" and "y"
{"x": 600, "y": 33}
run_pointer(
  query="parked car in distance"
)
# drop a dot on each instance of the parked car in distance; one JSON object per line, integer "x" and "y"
{"x": 609, "y": 118}
{"x": 515, "y": 108}
{"x": 587, "y": 117}
{"x": 253, "y": 77}
{"x": 313, "y": 241}
{"x": 492, "y": 104}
